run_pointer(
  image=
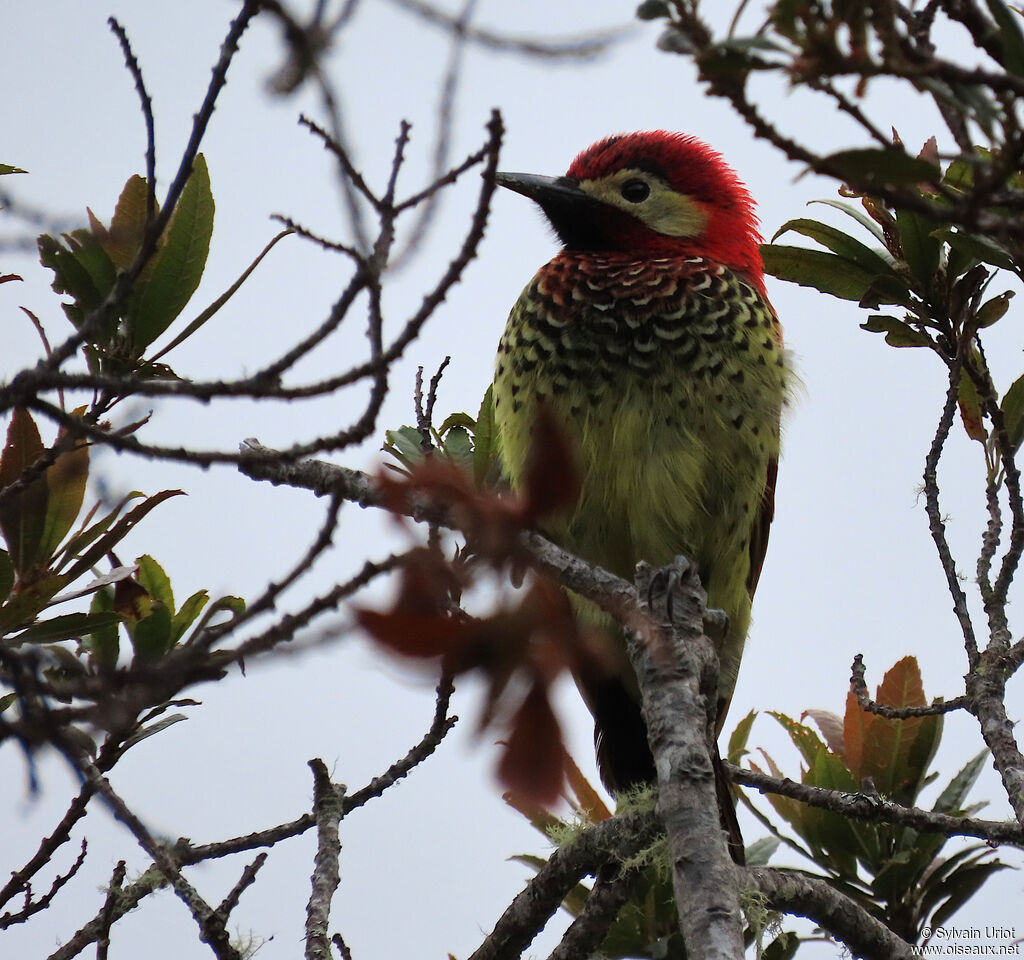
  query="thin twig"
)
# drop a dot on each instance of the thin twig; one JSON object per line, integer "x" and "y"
{"x": 935, "y": 522}
{"x": 874, "y": 810}
{"x": 147, "y": 114}
{"x": 587, "y": 931}
{"x": 114, "y": 892}
{"x": 860, "y": 690}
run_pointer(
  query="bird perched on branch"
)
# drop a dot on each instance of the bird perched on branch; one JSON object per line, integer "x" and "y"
{"x": 651, "y": 341}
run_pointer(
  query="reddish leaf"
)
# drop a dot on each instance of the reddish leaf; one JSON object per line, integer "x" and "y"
{"x": 531, "y": 764}
{"x": 889, "y": 745}
{"x": 856, "y": 730}
{"x": 131, "y": 599}
{"x": 901, "y": 686}
{"x": 66, "y": 481}
{"x": 551, "y": 480}
{"x": 831, "y": 727}
{"x": 970, "y": 409}
{"x": 418, "y": 635}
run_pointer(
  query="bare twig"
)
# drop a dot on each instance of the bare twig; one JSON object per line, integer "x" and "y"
{"x": 609, "y": 841}
{"x": 146, "y": 104}
{"x": 935, "y": 522}
{"x": 578, "y": 48}
{"x": 246, "y": 880}
{"x": 33, "y": 905}
{"x": 860, "y": 690}
{"x": 114, "y": 891}
{"x": 587, "y": 931}
{"x": 875, "y": 810}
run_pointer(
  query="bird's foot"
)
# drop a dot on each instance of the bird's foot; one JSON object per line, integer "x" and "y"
{"x": 665, "y": 588}
{"x": 716, "y": 625}
{"x": 669, "y": 589}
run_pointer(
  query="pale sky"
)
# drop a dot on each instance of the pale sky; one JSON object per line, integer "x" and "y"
{"x": 424, "y": 870}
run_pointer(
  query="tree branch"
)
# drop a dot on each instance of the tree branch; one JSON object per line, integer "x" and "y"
{"x": 677, "y": 670}
{"x": 328, "y": 811}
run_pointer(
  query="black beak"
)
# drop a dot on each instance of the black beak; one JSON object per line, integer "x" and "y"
{"x": 544, "y": 190}
{"x": 572, "y": 212}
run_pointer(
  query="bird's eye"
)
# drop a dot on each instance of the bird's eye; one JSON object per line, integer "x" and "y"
{"x": 636, "y": 191}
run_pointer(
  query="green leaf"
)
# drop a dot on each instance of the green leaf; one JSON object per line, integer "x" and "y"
{"x": 830, "y": 832}
{"x": 6, "y": 168}
{"x": 153, "y": 728}
{"x": 405, "y": 444}
{"x": 963, "y": 885}
{"x": 932, "y": 889}
{"x": 1013, "y": 411}
{"x": 120, "y": 530}
{"x": 463, "y": 420}
{"x": 23, "y": 514}
{"x": 65, "y": 481}
{"x": 761, "y": 851}
{"x": 993, "y": 310}
{"x": 862, "y": 218}
{"x": 70, "y": 277}
{"x": 178, "y": 265}
{"x": 870, "y": 167}
{"x": 234, "y": 605}
{"x": 458, "y": 446}
{"x": 6, "y": 700}
{"x": 738, "y": 739}
{"x": 897, "y": 333}
{"x": 128, "y": 225}
{"x": 486, "y": 463}
{"x": 978, "y": 247}
{"x": 67, "y": 626}
{"x": 919, "y": 759}
{"x": 839, "y": 243}
{"x": 88, "y": 534}
{"x": 812, "y": 268}
{"x": 151, "y": 636}
{"x": 185, "y": 617}
{"x": 103, "y": 643}
{"x": 803, "y": 737}
{"x": 1011, "y": 41}
{"x": 94, "y": 259}
{"x": 23, "y": 607}
{"x": 154, "y": 581}
{"x": 193, "y": 325}
{"x": 951, "y": 800}
{"x": 921, "y": 249}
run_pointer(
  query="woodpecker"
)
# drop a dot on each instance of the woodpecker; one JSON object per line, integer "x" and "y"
{"x": 650, "y": 338}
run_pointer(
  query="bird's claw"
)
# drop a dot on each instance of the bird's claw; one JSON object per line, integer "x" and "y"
{"x": 716, "y": 625}
{"x": 665, "y": 584}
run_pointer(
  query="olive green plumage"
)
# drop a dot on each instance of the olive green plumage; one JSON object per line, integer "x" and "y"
{"x": 668, "y": 379}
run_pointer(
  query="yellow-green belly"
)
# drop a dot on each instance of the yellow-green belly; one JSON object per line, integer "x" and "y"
{"x": 674, "y": 416}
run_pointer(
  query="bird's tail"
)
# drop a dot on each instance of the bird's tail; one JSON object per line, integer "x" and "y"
{"x": 624, "y": 755}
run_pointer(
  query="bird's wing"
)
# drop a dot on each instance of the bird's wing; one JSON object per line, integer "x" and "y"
{"x": 762, "y": 524}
